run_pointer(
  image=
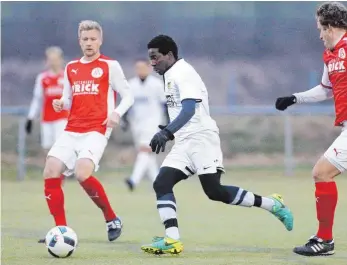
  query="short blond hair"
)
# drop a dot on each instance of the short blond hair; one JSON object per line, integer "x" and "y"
{"x": 54, "y": 49}
{"x": 89, "y": 25}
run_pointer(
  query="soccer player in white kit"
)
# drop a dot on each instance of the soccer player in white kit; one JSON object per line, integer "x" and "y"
{"x": 332, "y": 25}
{"x": 144, "y": 117}
{"x": 196, "y": 150}
{"x": 48, "y": 86}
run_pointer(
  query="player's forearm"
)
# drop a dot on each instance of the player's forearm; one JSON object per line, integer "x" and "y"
{"x": 316, "y": 94}
{"x": 34, "y": 107}
{"x": 66, "y": 102}
{"x": 126, "y": 102}
{"x": 187, "y": 112}
{"x": 67, "y": 93}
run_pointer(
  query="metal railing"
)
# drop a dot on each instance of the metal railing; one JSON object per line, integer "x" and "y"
{"x": 288, "y": 162}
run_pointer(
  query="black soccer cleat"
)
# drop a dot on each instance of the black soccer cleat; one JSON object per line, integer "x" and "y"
{"x": 130, "y": 184}
{"x": 41, "y": 241}
{"x": 114, "y": 229}
{"x": 316, "y": 247}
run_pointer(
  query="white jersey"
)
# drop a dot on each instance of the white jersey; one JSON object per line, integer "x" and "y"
{"x": 149, "y": 99}
{"x": 183, "y": 82}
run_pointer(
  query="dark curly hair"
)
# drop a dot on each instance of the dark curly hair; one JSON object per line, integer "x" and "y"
{"x": 165, "y": 44}
{"x": 332, "y": 14}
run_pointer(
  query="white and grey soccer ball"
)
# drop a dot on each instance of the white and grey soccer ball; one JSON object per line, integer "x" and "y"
{"x": 61, "y": 241}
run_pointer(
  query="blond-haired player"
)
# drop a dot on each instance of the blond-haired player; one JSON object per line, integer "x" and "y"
{"x": 48, "y": 86}
{"x": 89, "y": 86}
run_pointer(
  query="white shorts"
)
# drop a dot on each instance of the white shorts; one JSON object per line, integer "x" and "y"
{"x": 199, "y": 154}
{"x": 337, "y": 152}
{"x": 50, "y": 131}
{"x": 72, "y": 146}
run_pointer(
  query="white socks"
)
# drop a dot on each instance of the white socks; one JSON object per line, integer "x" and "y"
{"x": 173, "y": 233}
{"x": 145, "y": 163}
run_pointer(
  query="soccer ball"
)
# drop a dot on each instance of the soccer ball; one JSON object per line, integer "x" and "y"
{"x": 61, "y": 241}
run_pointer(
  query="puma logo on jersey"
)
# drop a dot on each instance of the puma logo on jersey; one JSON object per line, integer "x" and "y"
{"x": 74, "y": 71}
{"x": 336, "y": 66}
{"x": 85, "y": 89}
{"x": 336, "y": 152}
{"x": 48, "y": 197}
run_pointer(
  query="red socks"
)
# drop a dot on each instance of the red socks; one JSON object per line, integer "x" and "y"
{"x": 55, "y": 200}
{"x": 326, "y": 200}
{"x": 96, "y": 192}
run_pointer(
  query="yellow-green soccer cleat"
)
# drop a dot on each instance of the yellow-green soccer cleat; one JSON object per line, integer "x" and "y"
{"x": 163, "y": 245}
{"x": 282, "y": 212}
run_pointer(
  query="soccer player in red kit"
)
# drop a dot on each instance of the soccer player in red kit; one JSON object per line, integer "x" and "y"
{"x": 332, "y": 25}
{"x": 49, "y": 86}
{"x": 89, "y": 86}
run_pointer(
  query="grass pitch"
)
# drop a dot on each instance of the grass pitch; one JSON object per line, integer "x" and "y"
{"x": 212, "y": 233}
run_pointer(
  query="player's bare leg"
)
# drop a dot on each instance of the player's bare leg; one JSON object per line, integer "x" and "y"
{"x": 145, "y": 163}
{"x": 331, "y": 18}
{"x": 322, "y": 244}
{"x": 83, "y": 173}
{"x": 44, "y": 153}
{"x": 53, "y": 191}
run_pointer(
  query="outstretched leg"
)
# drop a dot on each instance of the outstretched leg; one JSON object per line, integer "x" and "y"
{"x": 238, "y": 196}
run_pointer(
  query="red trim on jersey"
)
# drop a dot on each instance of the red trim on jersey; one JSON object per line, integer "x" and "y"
{"x": 89, "y": 107}
{"x": 328, "y": 87}
{"x": 51, "y": 89}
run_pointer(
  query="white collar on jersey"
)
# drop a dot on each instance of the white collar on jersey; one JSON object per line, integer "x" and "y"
{"x": 83, "y": 60}
{"x": 178, "y": 62}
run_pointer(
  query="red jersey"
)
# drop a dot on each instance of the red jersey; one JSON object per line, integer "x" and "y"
{"x": 48, "y": 86}
{"x": 89, "y": 93}
{"x": 335, "y": 77}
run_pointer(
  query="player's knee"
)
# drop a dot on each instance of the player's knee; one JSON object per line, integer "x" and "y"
{"x": 212, "y": 187}
{"x": 83, "y": 169}
{"x": 319, "y": 175}
{"x": 53, "y": 168}
{"x": 166, "y": 180}
{"x": 324, "y": 171}
{"x": 162, "y": 187}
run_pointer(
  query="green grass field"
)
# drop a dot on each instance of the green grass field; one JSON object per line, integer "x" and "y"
{"x": 213, "y": 233}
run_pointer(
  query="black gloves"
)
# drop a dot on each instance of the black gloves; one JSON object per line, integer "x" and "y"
{"x": 285, "y": 102}
{"x": 124, "y": 122}
{"x": 160, "y": 138}
{"x": 28, "y": 126}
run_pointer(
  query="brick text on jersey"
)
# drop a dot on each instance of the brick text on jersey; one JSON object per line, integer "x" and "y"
{"x": 53, "y": 91}
{"x": 86, "y": 87}
{"x": 336, "y": 65}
